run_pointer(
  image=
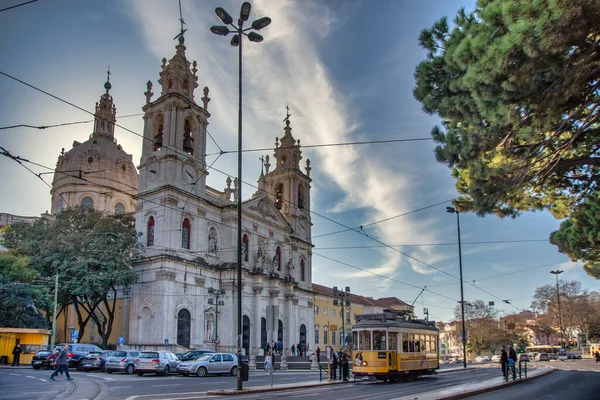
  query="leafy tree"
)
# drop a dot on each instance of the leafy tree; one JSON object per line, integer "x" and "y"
{"x": 579, "y": 236}
{"x": 90, "y": 251}
{"x": 22, "y": 304}
{"x": 16, "y": 268}
{"x": 517, "y": 84}
{"x": 482, "y": 328}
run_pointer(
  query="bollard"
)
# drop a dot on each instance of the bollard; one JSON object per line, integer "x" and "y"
{"x": 252, "y": 364}
{"x": 314, "y": 365}
{"x": 283, "y": 365}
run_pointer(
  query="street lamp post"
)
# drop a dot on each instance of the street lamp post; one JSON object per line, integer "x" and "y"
{"x": 453, "y": 210}
{"x": 217, "y": 293}
{"x": 236, "y": 40}
{"x": 558, "y": 272}
{"x": 342, "y": 294}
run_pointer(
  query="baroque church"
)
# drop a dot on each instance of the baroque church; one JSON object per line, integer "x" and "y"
{"x": 186, "y": 293}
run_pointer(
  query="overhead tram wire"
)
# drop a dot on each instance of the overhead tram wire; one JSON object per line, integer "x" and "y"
{"x": 240, "y": 184}
{"x": 18, "y": 5}
{"x": 434, "y": 244}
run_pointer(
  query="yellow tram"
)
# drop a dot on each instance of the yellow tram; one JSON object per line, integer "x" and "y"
{"x": 391, "y": 346}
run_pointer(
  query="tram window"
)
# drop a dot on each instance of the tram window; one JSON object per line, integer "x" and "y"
{"x": 417, "y": 346}
{"x": 354, "y": 340}
{"x": 364, "y": 340}
{"x": 405, "y": 342}
{"x": 392, "y": 341}
{"x": 422, "y": 339}
{"x": 411, "y": 343}
{"x": 428, "y": 344}
{"x": 434, "y": 344}
{"x": 379, "y": 340}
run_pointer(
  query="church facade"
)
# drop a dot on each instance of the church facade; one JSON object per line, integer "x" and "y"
{"x": 186, "y": 292}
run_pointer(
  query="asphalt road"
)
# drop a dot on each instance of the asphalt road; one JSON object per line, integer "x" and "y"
{"x": 575, "y": 380}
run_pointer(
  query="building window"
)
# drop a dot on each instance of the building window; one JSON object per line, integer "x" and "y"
{"x": 184, "y": 322}
{"x": 333, "y": 336}
{"x": 120, "y": 208}
{"x": 245, "y": 248}
{"x": 325, "y": 337}
{"x": 333, "y": 312}
{"x": 317, "y": 310}
{"x": 302, "y": 270}
{"x": 279, "y": 196}
{"x": 87, "y": 202}
{"x": 187, "y": 137}
{"x": 324, "y": 310}
{"x": 185, "y": 234}
{"x": 150, "y": 232}
{"x": 300, "y": 196}
{"x": 277, "y": 260}
{"x": 316, "y": 340}
{"x": 59, "y": 205}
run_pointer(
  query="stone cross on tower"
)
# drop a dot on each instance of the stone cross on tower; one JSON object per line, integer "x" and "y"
{"x": 287, "y": 116}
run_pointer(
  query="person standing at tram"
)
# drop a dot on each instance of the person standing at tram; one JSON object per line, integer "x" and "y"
{"x": 504, "y": 361}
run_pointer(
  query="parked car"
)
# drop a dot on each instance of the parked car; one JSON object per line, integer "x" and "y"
{"x": 481, "y": 359}
{"x": 574, "y": 356}
{"x": 496, "y": 358}
{"x": 523, "y": 357}
{"x": 121, "y": 361}
{"x": 562, "y": 356}
{"x": 76, "y": 352}
{"x": 158, "y": 362}
{"x": 42, "y": 359}
{"x": 542, "y": 357}
{"x": 193, "y": 354}
{"x": 217, "y": 363}
{"x": 95, "y": 360}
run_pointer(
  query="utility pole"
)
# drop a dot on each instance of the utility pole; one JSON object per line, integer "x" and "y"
{"x": 53, "y": 340}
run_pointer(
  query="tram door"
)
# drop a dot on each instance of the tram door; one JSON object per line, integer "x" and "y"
{"x": 393, "y": 351}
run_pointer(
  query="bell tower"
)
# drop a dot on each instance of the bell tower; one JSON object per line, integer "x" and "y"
{"x": 289, "y": 187}
{"x": 174, "y": 147}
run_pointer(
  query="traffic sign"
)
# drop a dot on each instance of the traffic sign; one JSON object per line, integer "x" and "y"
{"x": 166, "y": 342}
{"x": 121, "y": 340}
{"x": 75, "y": 334}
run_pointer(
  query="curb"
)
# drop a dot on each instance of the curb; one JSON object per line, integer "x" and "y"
{"x": 496, "y": 387}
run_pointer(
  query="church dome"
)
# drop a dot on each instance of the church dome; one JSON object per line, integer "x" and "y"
{"x": 98, "y": 172}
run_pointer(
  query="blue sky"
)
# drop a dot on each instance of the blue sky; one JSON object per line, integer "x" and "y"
{"x": 345, "y": 68}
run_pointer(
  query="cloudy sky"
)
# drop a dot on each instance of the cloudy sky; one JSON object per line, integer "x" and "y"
{"x": 345, "y": 68}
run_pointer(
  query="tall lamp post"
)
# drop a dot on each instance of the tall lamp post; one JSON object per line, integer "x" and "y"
{"x": 453, "y": 210}
{"x": 342, "y": 295}
{"x": 558, "y": 272}
{"x": 217, "y": 293}
{"x": 236, "y": 40}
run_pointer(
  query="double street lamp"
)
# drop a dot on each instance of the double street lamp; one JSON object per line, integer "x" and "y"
{"x": 342, "y": 295}
{"x": 558, "y": 272}
{"x": 236, "y": 40}
{"x": 453, "y": 210}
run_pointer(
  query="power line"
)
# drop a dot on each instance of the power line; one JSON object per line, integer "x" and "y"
{"x": 18, "y": 5}
{"x": 433, "y": 244}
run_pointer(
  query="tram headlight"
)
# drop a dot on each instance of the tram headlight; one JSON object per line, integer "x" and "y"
{"x": 364, "y": 364}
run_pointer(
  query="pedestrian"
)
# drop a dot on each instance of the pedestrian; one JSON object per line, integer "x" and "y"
{"x": 269, "y": 362}
{"x": 333, "y": 362}
{"x": 358, "y": 359}
{"x": 293, "y": 350}
{"x": 280, "y": 348}
{"x": 318, "y": 354}
{"x": 61, "y": 360}
{"x": 512, "y": 359}
{"x": 17, "y": 350}
{"x": 345, "y": 366}
{"x": 503, "y": 361}
{"x": 267, "y": 348}
{"x": 53, "y": 359}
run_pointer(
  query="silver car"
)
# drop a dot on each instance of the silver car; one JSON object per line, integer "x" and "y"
{"x": 121, "y": 361}
{"x": 158, "y": 362}
{"x": 218, "y": 363}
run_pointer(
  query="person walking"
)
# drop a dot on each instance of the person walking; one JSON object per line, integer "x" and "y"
{"x": 512, "y": 361}
{"x": 62, "y": 365}
{"x": 17, "y": 350}
{"x": 293, "y": 349}
{"x": 269, "y": 362}
{"x": 503, "y": 361}
{"x": 333, "y": 362}
{"x": 318, "y": 354}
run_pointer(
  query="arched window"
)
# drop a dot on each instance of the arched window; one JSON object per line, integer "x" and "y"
{"x": 302, "y": 270}
{"x": 317, "y": 331}
{"x": 277, "y": 260}
{"x": 245, "y": 248}
{"x": 146, "y": 325}
{"x": 185, "y": 234}
{"x": 150, "y": 232}
{"x": 59, "y": 205}
{"x": 279, "y": 195}
{"x": 303, "y": 336}
{"x": 333, "y": 336}
{"x": 263, "y": 332}
{"x": 187, "y": 137}
{"x": 300, "y": 196}
{"x": 120, "y": 208}
{"x": 87, "y": 202}
{"x": 184, "y": 323}
{"x": 325, "y": 336}
{"x": 280, "y": 331}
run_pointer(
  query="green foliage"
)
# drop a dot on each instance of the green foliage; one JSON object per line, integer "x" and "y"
{"x": 21, "y": 305}
{"x": 579, "y": 236}
{"x": 90, "y": 251}
{"x": 481, "y": 326}
{"x": 517, "y": 84}
{"x": 16, "y": 268}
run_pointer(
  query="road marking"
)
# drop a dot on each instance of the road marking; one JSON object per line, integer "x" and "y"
{"x": 47, "y": 391}
{"x": 14, "y": 374}
{"x": 120, "y": 387}
{"x": 29, "y": 376}
{"x": 171, "y": 384}
{"x": 109, "y": 379}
